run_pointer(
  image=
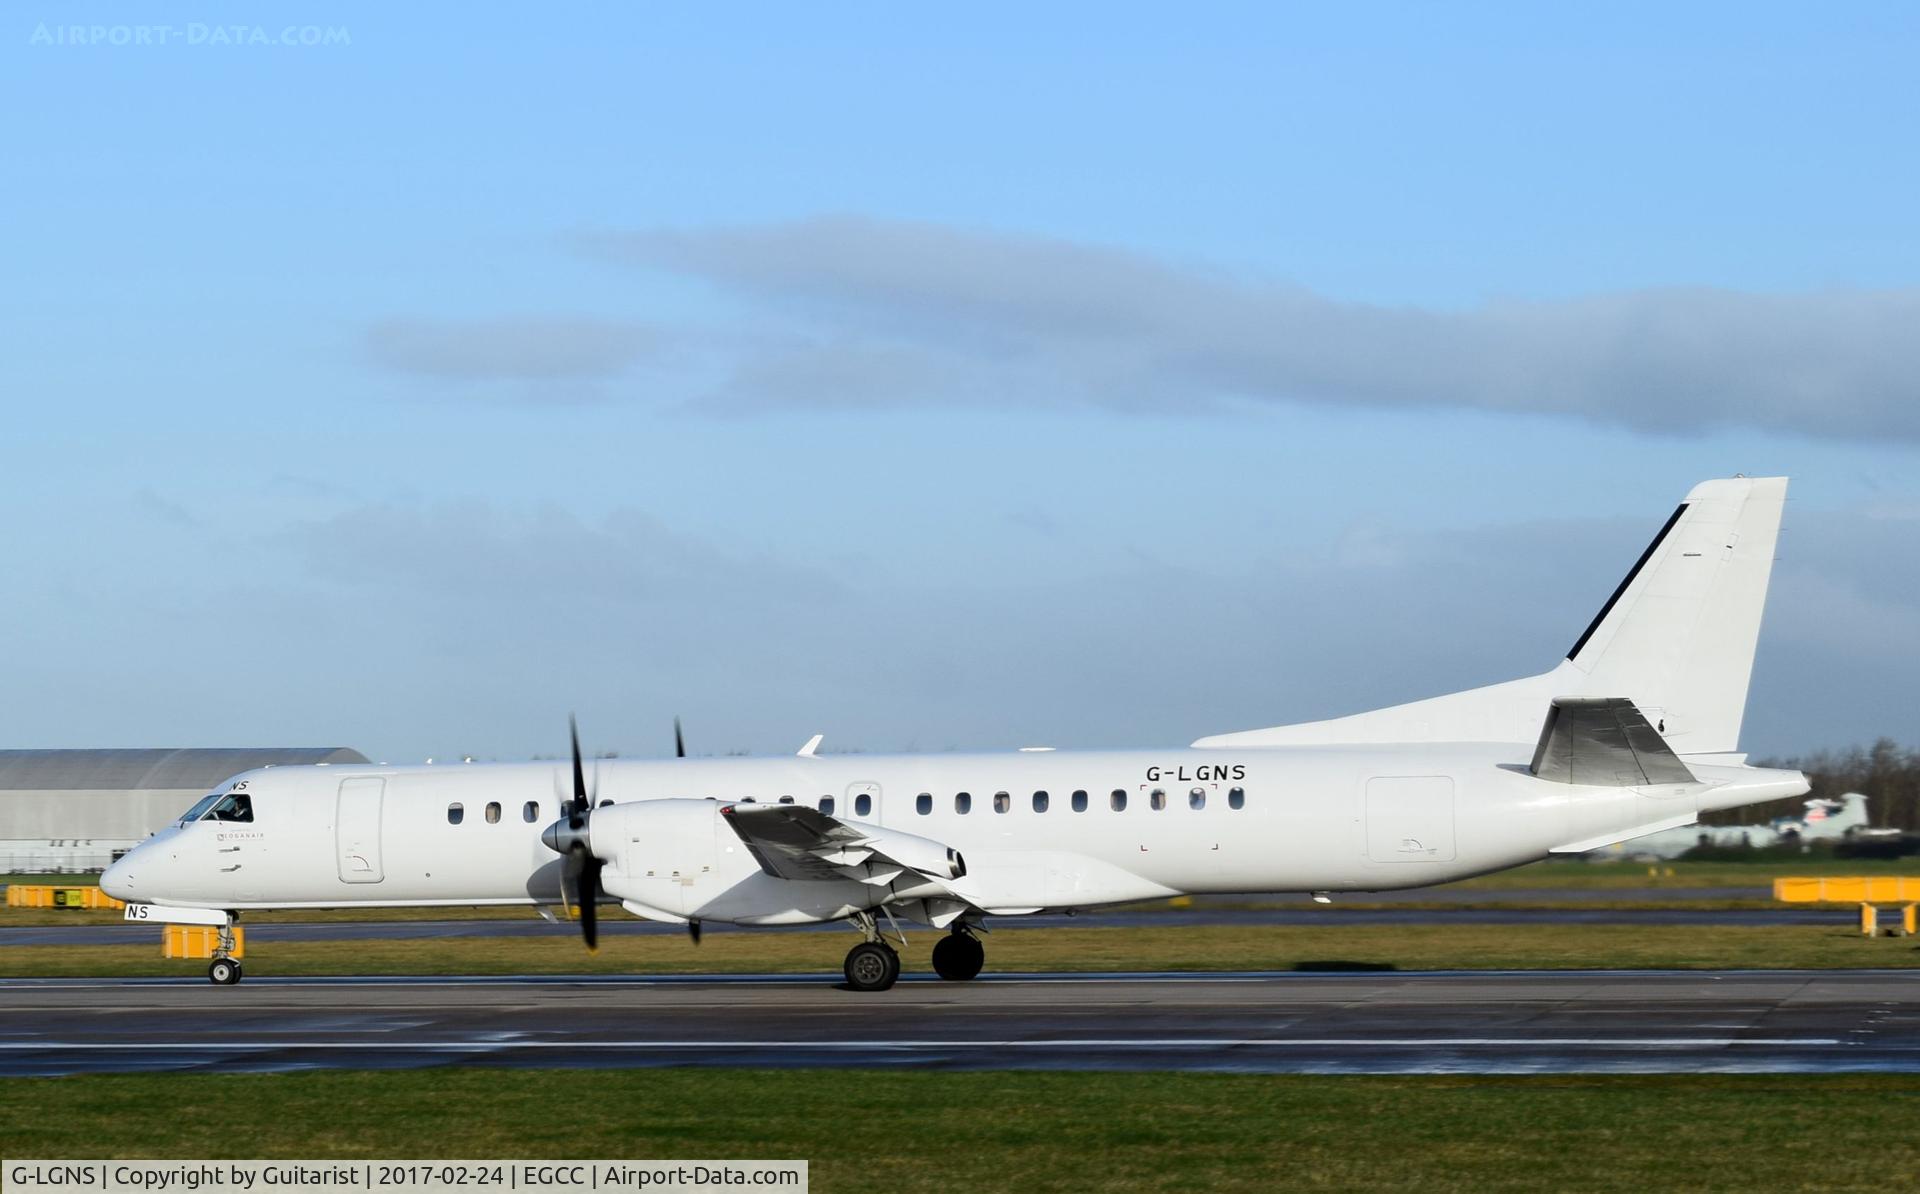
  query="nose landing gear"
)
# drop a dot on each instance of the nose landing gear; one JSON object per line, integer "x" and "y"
{"x": 224, "y": 970}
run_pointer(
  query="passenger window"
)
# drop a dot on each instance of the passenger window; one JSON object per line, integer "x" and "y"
{"x": 493, "y": 812}
{"x": 786, "y": 800}
{"x": 923, "y": 803}
{"x": 963, "y": 802}
{"x": 606, "y": 802}
{"x": 1079, "y": 802}
{"x": 862, "y": 805}
{"x": 1197, "y": 798}
{"x": 531, "y": 812}
{"x": 456, "y": 813}
{"x": 1236, "y": 798}
{"x": 1039, "y": 802}
{"x": 1157, "y": 799}
{"x": 826, "y": 805}
{"x": 1118, "y": 801}
{"x": 1002, "y": 802}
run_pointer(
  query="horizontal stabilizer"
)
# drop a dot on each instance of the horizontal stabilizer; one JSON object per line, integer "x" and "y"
{"x": 1604, "y": 742}
{"x": 1676, "y": 821}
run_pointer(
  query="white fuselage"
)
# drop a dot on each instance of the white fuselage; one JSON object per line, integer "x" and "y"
{"x": 1330, "y": 818}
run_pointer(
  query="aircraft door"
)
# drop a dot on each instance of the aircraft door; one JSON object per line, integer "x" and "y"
{"x": 356, "y": 829}
{"x": 863, "y": 802}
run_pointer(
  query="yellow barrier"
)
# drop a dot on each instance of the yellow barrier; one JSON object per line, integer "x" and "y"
{"x": 199, "y": 941}
{"x": 1869, "y": 893}
{"x": 36, "y": 895}
{"x": 1881, "y": 889}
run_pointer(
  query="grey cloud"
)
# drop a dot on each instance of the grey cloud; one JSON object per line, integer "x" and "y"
{"x": 886, "y": 313}
{"x": 511, "y": 349}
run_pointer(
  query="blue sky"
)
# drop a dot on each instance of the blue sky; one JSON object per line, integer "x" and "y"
{"x": 1079, "y": 375}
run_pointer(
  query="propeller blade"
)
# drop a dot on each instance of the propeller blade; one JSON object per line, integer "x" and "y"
{"x": 693, "y": 931}
{"x": 571, "y": 864}
{"x": 580, "y": 803}
{"x": 590, "y": 903}
{"x": 679, "y": 742}
{"x": 581, "y": 887}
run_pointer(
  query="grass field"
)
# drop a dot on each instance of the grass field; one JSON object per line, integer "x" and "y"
{"x": 905, "y": 1132}
{"x": 1204, "y": 947}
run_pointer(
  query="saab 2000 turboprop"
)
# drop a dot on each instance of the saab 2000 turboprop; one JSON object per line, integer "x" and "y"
{"x": 1636, "y": 730}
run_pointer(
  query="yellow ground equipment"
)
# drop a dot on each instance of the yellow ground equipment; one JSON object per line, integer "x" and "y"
{"x": 199, "y": 941}
{"x": 30, "y": 895}
{"x": 1890, "y": 893}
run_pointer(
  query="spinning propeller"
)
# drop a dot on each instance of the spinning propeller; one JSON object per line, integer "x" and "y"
{"x": 571, "y": 838}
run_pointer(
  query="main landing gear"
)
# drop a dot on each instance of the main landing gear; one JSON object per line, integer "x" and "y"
{"x": 959, "y": 955}
{"x": 874, "y": 965}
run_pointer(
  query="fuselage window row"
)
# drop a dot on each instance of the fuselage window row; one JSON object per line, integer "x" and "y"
{"x": 1003, "y": 801}
{"x": 922, "y": 803}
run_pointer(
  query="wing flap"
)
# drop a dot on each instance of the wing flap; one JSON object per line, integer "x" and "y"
{"x": 792, "y": 841}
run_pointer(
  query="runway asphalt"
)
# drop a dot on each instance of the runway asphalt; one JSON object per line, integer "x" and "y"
{"x": 1449, "y": 1022}
{"x": 617, "y": 925}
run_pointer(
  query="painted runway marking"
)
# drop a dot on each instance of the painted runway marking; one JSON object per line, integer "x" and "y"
{"x": 864, "y": 1046}
{"x": 1388, "y": 977}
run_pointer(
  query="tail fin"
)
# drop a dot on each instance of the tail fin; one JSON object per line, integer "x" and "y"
{"x": 1677, "y": 638}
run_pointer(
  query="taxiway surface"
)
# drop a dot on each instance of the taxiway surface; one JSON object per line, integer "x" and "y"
{"x": 528, "y": 926}
{"x": 1493, "y": 1022}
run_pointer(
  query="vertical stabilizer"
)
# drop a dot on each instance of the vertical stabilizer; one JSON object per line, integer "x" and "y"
{"x": 1676, "y": 638}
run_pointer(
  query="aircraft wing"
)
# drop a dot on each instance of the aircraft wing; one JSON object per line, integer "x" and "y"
{"x": 792, "y": 841}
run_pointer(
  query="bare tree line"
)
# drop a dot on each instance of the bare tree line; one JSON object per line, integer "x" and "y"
{"x": 1887, "y": 773}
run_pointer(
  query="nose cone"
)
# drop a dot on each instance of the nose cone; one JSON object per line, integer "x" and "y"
{"x": 117, "y": 880}
{"x": 563, "y": 835}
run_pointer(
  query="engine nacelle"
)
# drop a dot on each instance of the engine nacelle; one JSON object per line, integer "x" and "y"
{"x": 663, "y": 853}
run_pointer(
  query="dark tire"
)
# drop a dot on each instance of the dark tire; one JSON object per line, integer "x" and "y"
{"x": 958, "y": 957}
{"x": 872, "y": 966}
{"x": 224, "y": 972}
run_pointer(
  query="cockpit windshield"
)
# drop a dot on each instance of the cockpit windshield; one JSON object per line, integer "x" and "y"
{"x": 220, "y": 806}
{"x": 199, "y": 808}
{"x": 234, "y": 806}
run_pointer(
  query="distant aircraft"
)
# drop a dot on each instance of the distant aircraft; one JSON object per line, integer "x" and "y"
{"x": 1823, "y": 820}
{"x": 1635, "y": 731}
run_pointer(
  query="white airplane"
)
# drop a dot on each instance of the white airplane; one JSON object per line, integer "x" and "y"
{"x": 1636, "y": 730}
{"x": 1822, "y": 820}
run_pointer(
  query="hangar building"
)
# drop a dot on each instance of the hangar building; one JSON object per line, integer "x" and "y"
{"x": 75, "y": 810}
